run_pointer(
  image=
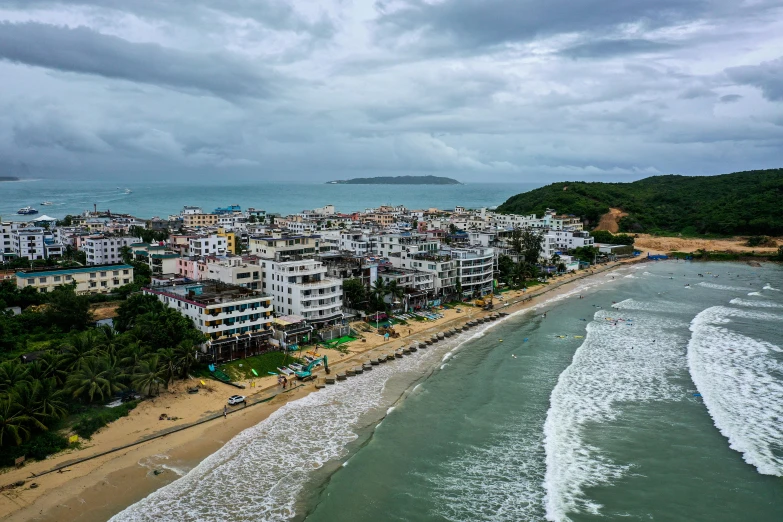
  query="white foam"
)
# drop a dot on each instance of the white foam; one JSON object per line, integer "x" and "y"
{"x": 724, "y": 287}
{"x": 755, "y": 304}
{"x": 754, "y": 293}
{"x": 260, "y": 473}
{"x": 613, "y": 366}
{"x": 739, "y": 379}
{"x": 391, "y": 409}
{"x": 769, "y": 287}
{"x": 654, "y": 306}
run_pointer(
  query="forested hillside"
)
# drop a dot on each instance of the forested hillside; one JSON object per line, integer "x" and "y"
{"x": 739, "y": 203}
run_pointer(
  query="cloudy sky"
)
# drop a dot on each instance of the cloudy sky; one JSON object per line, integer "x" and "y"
{"x": 481, "y": 90}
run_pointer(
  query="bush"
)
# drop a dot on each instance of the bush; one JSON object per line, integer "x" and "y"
{"x": 39, "y": 447}
{"x": 97, "y": 418}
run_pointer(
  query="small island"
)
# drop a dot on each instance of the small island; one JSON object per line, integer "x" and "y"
{"x": 397, "y": 180}
{"x": 9, "y": 178}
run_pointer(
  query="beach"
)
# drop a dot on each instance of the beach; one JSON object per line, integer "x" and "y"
{"x": 96, "y": 489}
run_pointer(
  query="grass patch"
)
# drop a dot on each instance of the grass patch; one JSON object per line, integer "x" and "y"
{"x": 96, "y": 418}
{"x": 266, "y": 362}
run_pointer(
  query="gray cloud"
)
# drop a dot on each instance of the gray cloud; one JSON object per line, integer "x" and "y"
{"x": 490, "y": 22}
{"x": 82, "y": 50}
{"x": 767, "y": 76}
{"x": 619, "y": 47}
{"x": 730, "y": 98}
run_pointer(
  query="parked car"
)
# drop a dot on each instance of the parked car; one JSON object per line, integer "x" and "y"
{"x": 236, "y": 399}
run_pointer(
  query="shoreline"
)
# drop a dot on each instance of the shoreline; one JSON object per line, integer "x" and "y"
{"x": 88, "y": 490}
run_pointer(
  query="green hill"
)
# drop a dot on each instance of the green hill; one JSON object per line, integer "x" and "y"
{"x": 729, "y": 204}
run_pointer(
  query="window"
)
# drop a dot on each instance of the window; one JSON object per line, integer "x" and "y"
{"x": 41, "y": 279}
{"x": 93, "y": 275}
{"x": 103, "y": 274}
{"x": 56, "y": 278}
{"x": 92, "y": 284}
{"x": 125, "y": 272}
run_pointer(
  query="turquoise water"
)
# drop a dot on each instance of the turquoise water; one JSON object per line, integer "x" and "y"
{"x": 596, "y": 418}
{"x": 161, "y": 199}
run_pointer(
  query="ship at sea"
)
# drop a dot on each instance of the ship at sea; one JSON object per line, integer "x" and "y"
{"x": 26, "y": 211}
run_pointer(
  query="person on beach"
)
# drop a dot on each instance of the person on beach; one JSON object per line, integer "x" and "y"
{"x": 225, "y": 411}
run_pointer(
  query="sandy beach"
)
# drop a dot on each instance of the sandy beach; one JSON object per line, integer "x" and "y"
{"x": 96, "y": 489}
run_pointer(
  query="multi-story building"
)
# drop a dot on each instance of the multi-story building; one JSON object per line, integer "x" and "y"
{"x": 236, "y": 320}
{"x": 6, "y": 240}
{"x": 35, "y": 243}
{"x": 418, "y": 287}
{"x": 211, "y": 245}
{"x": 89, "y": 280}
{"x": 475, "y": 269}
{"x": 281, "y": 246}
{"x": 101, "y": 250}
{"x": 235, "y": 270}
{"x": 411, "y": 242}
{"x": 567, "y": 239}
{"x": 441, "y": 266}
{"x": 160, "y": 259}
{"x": 231, "y": 239}
{"x": 302, "y": 288}
{"x": 199, "y": 220}
{"x": 357, "y": 242}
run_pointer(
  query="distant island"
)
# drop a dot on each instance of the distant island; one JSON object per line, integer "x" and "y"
{"x": 728, "y": 204}
{"x": 397, "y": 180}
{"x": 9, "y": 178}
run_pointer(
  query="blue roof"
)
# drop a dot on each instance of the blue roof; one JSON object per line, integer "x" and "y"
{"x": 87, "y": 269}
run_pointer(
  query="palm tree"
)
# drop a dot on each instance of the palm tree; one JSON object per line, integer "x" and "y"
{"x": 132, "y": 355}
{"x": 395, "y": 291}
{"x": 52, "y": 366}
{"x": 12, "y": 373}
{"x": 109, "y": 341}
{"x": 168, "y": 363}
{"x": 93, "y": 379}
{"x": 82, "y": 347}
{"x": 378, "y": 291}
{"x": 149, "y": 376}
{"x": 15, "y": 423}
{"x": 186, "y": 357}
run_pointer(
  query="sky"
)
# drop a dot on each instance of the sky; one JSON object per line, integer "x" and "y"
{"x": 478, "y": 90}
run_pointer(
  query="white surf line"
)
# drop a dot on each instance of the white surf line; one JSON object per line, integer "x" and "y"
{"x": 738, "y": 378}
{"x": 769, "y": 287}
{"x": 755, "y": 303}
{"x": 615, "y": 365}
{"x": 723, "y": 287}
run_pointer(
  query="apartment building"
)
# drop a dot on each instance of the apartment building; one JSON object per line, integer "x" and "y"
{"x": 199, "y": 220}
{"x": 442, "y": 268}
{"x": 235, "y": 270}
{"x": 236, "y": 320}
{"x": 411, "y": 242}
{"x": 101, "y": 279}
{"x": 232, "y": 247}
{"x": 160, "y": 259}
{"x": 101, "y": 249}
{"x": 6, "y": 240}
{"x": 475, "y": 269}
{"x": 418, "y": 287}
{"x": 281, "y": 246}
{"x": 35, "y": 243}
{"x": 302, "y": 288}
{"x": 211, "y": 245}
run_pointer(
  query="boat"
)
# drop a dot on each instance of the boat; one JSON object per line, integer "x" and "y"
{"x": 27, "y": 211}
{"x": 46, "y": 203}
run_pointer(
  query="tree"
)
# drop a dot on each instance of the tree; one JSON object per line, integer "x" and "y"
{"x": 532, "y": 245}
{"x": 80, "y": 348}
{"x": 68, "y": 311}
{"x": 127, "y": 255}
{"x": 395, "y": 291}
{"x": 14, "y": 422}
{"x": 354, "y": 292}
{"x": 148, "y": 377}
{"x": 93, "y": 379}
{"x": 555, "y": 259}
{"x": 186, "y": 356}
{"x": 12, "y": 373}
{"x": 134, "y": 307}
{"x": 167, "y": 362}
{"x": 506, "y": 269}
{"x": 378, "y": 292}
{"x": 46, "y": 401}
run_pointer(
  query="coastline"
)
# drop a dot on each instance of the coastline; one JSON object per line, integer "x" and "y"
{"x": 99, "y": 488}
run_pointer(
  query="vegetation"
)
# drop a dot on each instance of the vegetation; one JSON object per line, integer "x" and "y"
{"x": 262, "y": 364}
{"x": 76, "y": 367}
{"x": 729, "y": 204}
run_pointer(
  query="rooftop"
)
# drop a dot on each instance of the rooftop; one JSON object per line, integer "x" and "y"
{"x": 206, "y": 293}
{"x": 79, "y": 270}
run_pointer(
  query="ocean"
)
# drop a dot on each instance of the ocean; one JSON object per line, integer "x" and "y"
{"x": 658, "y": 395}
{"x": 147, "y": 200}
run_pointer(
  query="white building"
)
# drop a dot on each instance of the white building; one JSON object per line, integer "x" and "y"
{"x": 211, "y": 245}
{"x": 6, "y": 240}
{"x": 475, "y": 269}
{"x": 233, "y": 270}
{"x": 101, "y": 250}
{"x": 89, "y": 280}
{"x": 237, "y": 320}
{"x": 302, "y": 288}
{"x": 35, "y": 243}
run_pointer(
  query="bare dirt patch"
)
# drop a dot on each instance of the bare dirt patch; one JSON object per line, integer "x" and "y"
{"x": 611, "y": 220}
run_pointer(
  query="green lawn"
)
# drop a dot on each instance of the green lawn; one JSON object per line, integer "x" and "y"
{"x": 262, "y": 364}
